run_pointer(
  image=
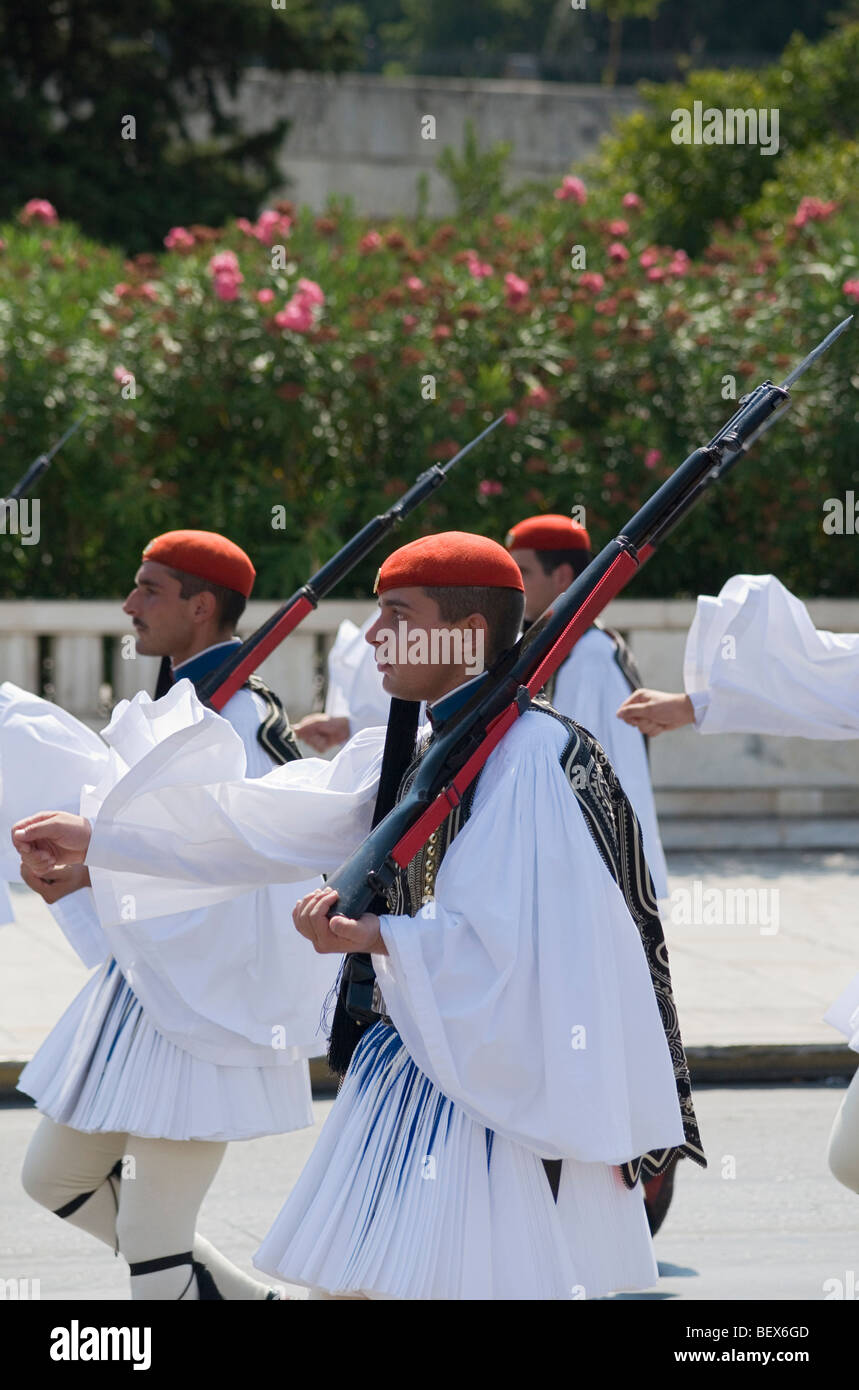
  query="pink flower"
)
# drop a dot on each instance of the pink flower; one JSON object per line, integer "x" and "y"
{"x": 516, "y": 287}
{"x": 224, "y": 269}
{"x": 606, "y": 306}
{"x": 270, "y": 224}
{"x": 224, "y": 263}
{"x": 618, "y": 252}
{"x": 370, "y": 242}
{"x": 227, "y": 286}
{"x": 812, "y": 210}
{"x": 309, "y": 291}
{"x": 510, "y": 417}
{"x": 149, "y": 290}
{"x": 297, "y": 315}
{"x": 679, "y": 264}
{"x": 537, "y": 396}
{"x": 410, "y": 322}
{"x": 481, "y": 270}
{"x": 648, "y": 257}
{"x": 656, "y": 272}
{"x": 572, "y": 188}
{"x": 652, "y": 457}
{"x": 265, "y": 296}
{"x": 618, "y": 227}
{"x": 850, "y": 289}
{"x": 178, "y": 239}
{"x": 591, "y": 280}
{"x": 39, "y": 210}
{"x": 414, "y": 283}
{"x": 245, "y": 226}
{"x": 121, "y": 290}
{"x": 632, "y": 202}
{"x": 120, "y": 374}
{"x": 489, "y": 487}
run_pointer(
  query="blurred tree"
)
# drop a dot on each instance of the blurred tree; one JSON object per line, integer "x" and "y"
{"x": 572, "y": 38}
{"x": 616, "y": 11}
{"x": 73, "y": 72}
{"x": 687, "y": 187}
{"x": 477, "y": 175}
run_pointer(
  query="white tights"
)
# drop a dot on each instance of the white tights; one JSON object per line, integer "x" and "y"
{"x": 147, "y": 1210}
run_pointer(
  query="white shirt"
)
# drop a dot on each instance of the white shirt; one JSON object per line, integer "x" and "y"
{"x": 589, "y": 688}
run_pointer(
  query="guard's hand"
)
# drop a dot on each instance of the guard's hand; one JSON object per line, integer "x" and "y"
{"x": 51, "y": 838}
{"x": 655, "y": 712}
{"x": 322, "y": 731}
{"x": 65, "y": 879}
{"x": 336, "y": 934}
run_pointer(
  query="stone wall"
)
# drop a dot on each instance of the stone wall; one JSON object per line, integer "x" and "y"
{"x": 361, "y": 137}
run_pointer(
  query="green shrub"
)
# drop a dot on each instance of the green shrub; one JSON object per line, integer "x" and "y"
{"x": 689, "y": 187}
{"x": 611, "y": 380}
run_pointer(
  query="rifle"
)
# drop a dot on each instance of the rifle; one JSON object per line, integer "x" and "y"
{"x": 216, "y": 688}
{"x": 39, "y": 465}
{"x": 462, "y": 744}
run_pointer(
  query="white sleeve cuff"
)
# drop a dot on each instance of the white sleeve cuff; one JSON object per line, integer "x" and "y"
{"x": 700, "y": 700}
{"x": 76, "y": 916}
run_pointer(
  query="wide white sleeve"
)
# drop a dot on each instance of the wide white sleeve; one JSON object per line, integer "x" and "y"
{"x": 589, "y": 689}
{"x": 77, "y": 919}
{"x": 162, "y": 842}
{"x": 523, "y": 992}
{"x": 764, "y": 668}
{"x": 46, "y": 756}
{"x": 230, "y": 982}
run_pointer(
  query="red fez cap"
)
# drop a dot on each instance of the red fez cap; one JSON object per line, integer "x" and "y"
{"x": 548, "y": 532}
{"x": 205, "y": 554}
{"x": 454, "y": 559}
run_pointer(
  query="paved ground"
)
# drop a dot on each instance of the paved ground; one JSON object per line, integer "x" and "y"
{"x": 772, "y": 980}
{"x": 779, "y": 1229}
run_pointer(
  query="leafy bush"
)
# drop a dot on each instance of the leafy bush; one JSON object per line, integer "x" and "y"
{"x": 228, "y": 378}
{"x": 688, "y": 187}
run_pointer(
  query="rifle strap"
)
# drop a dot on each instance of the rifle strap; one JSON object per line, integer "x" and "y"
{"x": 398, "y": 754}
{"x": 165, "y": 678}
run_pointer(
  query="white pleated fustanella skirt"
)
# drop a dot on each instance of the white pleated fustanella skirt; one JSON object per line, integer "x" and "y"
{"x": 404, "y": 1196}
{"x": 105, "y": 1068}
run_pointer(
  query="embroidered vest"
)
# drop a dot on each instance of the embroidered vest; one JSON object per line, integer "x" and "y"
{"x": 614, "y": 828}
{"x": 275, "y": 732}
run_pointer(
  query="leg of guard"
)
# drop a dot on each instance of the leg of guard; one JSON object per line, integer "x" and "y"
{"x": 72, "y": 1174}
{"x": 169, "y": 1278}
{"x": 158, "y": 1212}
